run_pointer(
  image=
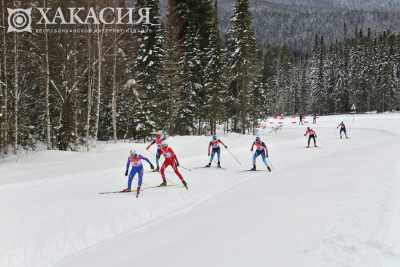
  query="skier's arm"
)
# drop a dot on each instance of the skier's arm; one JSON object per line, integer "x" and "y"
{"x": 266, "y": 151}
{"x": 147, "y": 160}
{"x": 209, "y": 148}
{"x": 222, "y": 143}
{"x": 175, "y": 157}
{"x": 152, "y": 143}
{"x": 127, "y": 167}
{"x": 252, "y": 147}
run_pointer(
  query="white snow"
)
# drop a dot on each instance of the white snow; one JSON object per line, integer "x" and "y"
{"x": 338, "y": 205}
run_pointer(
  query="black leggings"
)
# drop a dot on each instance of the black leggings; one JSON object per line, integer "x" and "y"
{"x": 313, "y": 137}
{"x": 343, "y": 130}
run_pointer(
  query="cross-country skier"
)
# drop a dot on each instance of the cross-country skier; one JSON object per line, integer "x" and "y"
{"x": 311, "y": 135}
{"x": 261, "y": 150}
{"x": 170, "y": 160}
{"x": 215, "y": 148}
{"x": 342, "y": 127}
{"x": 135, "y": 160}
{"x": 301, "y": 118}
{"x": 315, "y": 118}
{"x": 158, "y": 141}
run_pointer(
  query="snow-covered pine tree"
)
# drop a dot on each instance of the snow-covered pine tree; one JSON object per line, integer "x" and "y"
{"x": 242, "y": 51}
{"x": 317, "y": 77}
{"x": 386, "y": 90}
{"x": 269, "y": 73}
{"x": 172, "y": 71}
{"x": 304, "y": 94}
{"x": 215, "y": 79}
{"x": 257, "y": 108}
{"x": 191, "y": 84}
{"x": 330, "y": 81}
{"x": 341, "y": 87}
{"x": 148, "y": 67}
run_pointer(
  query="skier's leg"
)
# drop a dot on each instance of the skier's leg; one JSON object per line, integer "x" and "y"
{"x": 264, "y": 159}
{"x": 212, "y": 156}
{"x": 140, "y": 180}
{"x": 131, "y": 175}
{"x": 158, "y": 155}
{"x": 163, "y": 166}
{"x": 177, "y": 172}
{"x": 315, "y": 141}
{"x": 255, "y": 156}
{"x": 309, "y": 141}
{"x": 219, "y": 157}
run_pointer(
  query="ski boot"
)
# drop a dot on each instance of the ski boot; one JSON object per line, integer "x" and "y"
{"x": 219, "y": 165}
{"x": 164, "y": 183}
{"x": 254, "y": 168}
{"x": 208, "y": 165}
{"x": 137, "y": 192}
{"x": 185, "y": 184}
{"x": 126, "y": 190}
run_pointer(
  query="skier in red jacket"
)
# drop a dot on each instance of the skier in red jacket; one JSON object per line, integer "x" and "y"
{"x": 311, "y": 135}
{"x": 170, "y": 160}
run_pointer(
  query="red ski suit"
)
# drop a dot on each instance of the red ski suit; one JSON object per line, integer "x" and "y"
{"x": 170, "y": 160}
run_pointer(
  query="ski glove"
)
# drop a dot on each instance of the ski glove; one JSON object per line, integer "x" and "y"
{"x": 152, "y": 166}
{"x": 177, "y": 164}
{"x": 226, "y": 147}
{"x": 126, "y": 173}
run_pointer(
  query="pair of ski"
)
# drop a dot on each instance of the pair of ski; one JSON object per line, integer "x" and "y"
{"x": 135, "y": 190}
{"x": 209, "y": 167}
{"x": 251, "y": 170}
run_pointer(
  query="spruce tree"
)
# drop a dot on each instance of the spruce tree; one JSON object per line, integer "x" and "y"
{"x": 242, "y": 51}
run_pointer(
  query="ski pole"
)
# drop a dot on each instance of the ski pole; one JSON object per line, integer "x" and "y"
{"x": 270, "y": 163}
{"x": 189, "y": 170}
{"x": 234, "y": 157}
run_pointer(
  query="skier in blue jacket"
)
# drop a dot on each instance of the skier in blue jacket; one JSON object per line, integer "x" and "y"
{"x": 137, "y": 168}
{"x": 261, "y": 150}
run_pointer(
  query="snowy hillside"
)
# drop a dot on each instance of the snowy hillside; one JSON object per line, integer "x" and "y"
{"x": 337, "y": 205}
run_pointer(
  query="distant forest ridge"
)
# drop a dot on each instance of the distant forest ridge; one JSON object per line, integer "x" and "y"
{"x": 296, "y": 22}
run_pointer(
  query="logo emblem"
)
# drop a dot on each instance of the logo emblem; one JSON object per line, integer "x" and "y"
{"x": 19, "y": 20}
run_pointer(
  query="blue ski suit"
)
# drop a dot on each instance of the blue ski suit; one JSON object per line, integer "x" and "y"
{"x": 137, "y": 168}
{"x": 261, "y": 150}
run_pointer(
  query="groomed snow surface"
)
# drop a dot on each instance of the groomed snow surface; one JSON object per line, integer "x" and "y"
{"x": 337, "y": 205}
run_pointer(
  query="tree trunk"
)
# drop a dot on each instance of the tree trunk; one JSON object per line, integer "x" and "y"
{"x": 74, "y": 95}
{"x": 114, "y": 89}
{"x": 5, "y": 95}
{"x": 99, "y": 74}
{"x": 47, "y": 90}
{"x": 16, "y": 93}
{"x": 89, "y": 92}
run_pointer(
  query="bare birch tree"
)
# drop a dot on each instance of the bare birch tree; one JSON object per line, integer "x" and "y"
{"x": 114, "y": 86}
{"x": 47, "y": 87}
{"x": 5, "y": 87}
